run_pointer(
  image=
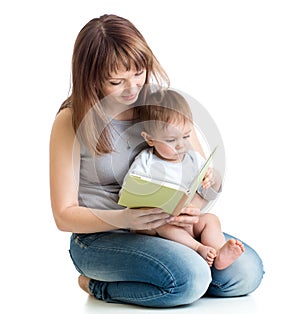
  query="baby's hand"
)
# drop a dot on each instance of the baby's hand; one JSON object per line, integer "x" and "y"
{"x": 209, "y": 179}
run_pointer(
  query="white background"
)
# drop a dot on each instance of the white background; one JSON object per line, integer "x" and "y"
{"x": 239, "y": 59}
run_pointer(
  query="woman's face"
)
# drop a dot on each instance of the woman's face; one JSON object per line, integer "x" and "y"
{"x": 124, "y": 87}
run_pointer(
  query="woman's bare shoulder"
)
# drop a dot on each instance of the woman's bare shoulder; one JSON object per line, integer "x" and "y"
{"x": 63, "y": 125}
{"x": 63, "y": 119}
{"x": 64, "y": 115}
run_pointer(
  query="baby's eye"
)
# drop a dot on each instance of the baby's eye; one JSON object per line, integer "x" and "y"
{"x": 187, "y": 136}
{"x": 170, "y": 140}
{"x": 139, "y": 73}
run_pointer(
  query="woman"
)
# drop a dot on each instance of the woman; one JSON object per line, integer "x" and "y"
{"x": 94, "y": 139}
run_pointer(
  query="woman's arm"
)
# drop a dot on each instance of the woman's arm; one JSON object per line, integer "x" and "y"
{"x": 64, "y": 172}
{"x": 64, "y": 178}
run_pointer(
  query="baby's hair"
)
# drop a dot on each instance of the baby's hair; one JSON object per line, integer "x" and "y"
{"x": 163, "y": 107}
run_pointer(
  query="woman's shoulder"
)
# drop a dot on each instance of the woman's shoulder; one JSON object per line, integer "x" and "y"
{"x": 65, "y": 114}
{"x": 63, "y": 124}
{"x": 63, "y": 119}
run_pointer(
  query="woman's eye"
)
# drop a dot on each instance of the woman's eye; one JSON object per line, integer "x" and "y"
{"x": 115, "y": 83}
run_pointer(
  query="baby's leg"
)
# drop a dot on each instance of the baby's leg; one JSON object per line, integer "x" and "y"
{"x": 228, "y": 253}
{"x": 182, "y": 236}
{"x": 148, "y": 232}
{"x": 208, "y": 229}
{"x": 207, "y": 252}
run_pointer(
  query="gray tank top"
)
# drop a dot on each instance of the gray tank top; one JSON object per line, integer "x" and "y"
{"x": 101, "y": 177}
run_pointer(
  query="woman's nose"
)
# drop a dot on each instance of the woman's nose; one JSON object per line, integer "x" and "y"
{"x": 129, "y": 84}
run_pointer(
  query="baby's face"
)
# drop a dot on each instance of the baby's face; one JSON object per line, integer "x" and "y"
{"x": 172, "y": 141}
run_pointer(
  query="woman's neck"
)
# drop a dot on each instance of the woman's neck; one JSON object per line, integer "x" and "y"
{"x": 118, "y": 111}
{"x": 129, "y": 114}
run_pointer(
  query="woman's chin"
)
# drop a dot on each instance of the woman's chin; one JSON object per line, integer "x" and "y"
{"x": 128, "y": 100}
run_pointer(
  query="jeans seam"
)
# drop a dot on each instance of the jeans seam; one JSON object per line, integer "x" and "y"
{"x": 216, "y": 283}
{"x": 80, "y": 243}
{"x": 151, "y": 258}
{"x": 75, "y": 264}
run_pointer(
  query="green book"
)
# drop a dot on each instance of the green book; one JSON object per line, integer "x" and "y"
{"x": 140, "y": 191}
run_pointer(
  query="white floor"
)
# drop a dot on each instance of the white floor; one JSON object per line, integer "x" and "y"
{"x": 65, "y": 297}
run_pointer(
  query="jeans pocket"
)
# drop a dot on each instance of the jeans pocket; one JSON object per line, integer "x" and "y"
{"x": 84, "y": 240}
{"x": 78, "y": 247}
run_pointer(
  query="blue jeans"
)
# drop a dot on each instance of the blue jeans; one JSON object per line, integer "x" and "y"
{"x": 155, "y": 272}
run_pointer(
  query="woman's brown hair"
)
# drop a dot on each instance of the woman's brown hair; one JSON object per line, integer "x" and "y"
{"x": 104, "y": 46}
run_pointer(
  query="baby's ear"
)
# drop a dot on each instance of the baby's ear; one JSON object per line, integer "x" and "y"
{"x": 147, "y": 138}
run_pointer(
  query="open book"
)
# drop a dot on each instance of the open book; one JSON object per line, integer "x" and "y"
{"x": 140, "y": 191}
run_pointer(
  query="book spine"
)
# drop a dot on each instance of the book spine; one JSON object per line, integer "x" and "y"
{"x": 180, "y": 205}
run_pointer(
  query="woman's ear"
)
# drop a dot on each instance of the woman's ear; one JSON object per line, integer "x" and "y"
{"x": 147, "y": 138}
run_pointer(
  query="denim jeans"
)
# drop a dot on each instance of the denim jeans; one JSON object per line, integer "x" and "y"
{"x": 150, "y": 271}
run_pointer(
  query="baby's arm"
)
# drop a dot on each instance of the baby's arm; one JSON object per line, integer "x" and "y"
{"x": 211, "y": 185}
{"x": 212, "y": 179}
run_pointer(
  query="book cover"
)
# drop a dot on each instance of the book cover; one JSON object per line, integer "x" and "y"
{"x": 139, "y": 191}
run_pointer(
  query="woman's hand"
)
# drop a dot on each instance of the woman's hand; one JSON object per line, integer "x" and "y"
{"x": 189, "y": 216}
{"x": 134, "y": 219}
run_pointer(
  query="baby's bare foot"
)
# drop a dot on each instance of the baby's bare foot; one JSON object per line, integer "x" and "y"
{"x": 208, "y": 253}
{"x": 228, "y": 253}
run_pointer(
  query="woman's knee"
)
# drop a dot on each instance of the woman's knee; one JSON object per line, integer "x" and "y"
{"x": 251, "y": 272}
{"x": 241, "y": 278}
{"x": 197, "y": 284}
{"x": 193, "y": 281}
